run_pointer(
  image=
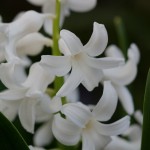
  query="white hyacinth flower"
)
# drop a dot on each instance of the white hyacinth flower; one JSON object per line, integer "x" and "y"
{"x": 48, "y": 6}
{"x": 43, "y": 135}
{"x": 28, "y": 94}
{"x": 81, "y": 122}
{"x": 133, "y": 142}
{"x": 85, "y": 68}
{"x": 29, "y": 22}
{"x": 131, "y": 139}
{"x": 14, "y": 37}
{"x": 31, "y": 44}
{"x": 123, "y": 75}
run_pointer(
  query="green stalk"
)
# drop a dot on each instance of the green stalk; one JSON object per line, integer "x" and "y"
{"x": 56, "y": 30}
{"x": 146, "y": 116}
{"x": 122, "y": 40}
{"x": 55, "y": 48}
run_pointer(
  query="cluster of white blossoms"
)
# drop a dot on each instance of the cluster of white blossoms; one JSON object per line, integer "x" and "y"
{"x": 33, "y": 98}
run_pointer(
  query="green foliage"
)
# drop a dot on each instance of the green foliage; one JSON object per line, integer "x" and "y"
{"x": 10, "y": 138}
{"x": 146, "y": 119}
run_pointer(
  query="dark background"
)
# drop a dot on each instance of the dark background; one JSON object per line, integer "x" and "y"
{"x": 134, "y": 13}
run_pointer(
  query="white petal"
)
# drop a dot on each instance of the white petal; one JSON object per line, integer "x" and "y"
{"x": 37, "y": 2}
{"x": 91, "y": 77}
{"x": 133, "y": 53}
{"x": 100, "y": 141}
{"x": 104, "y": 63}
{"x": 11, "y": 74}
{"x": 77, "y": 113}
{"x": 72, "y": 82}
{"x": 29, "y": 22}
{"x": 44, "y": 105}
{"x": 14, "y": 94}
{"x": 51, "y": 105}
{"x": 48, "y": 26}
{"x": 122, "y": 75}
{"x": 113, "y": 51}
{"x": 27, "y": 114}
{"x": 106, "y": 106}
{"x": 55, "y": 104}
{"x": 38, "y": 79}
{"x": 82, "y": 6}
{"x": 72, "y": 41}
{"x": 118, "y": 143}
{"x": 115, "y": 128}
{"x": 87, "y": 142}
{"x": 125, "y": 98}
{"x": 32, "y": 44}
{"x": 64, "y": 48}
{"x": 43, "y": 113}
{"x": 74, "y": 96}
{"x": 98, "y": 41}
{"x": 3, "y": 36}
{"x": 36, "y": 148}
{"x": 134, "y": 133}
{"x": 59, "y": 65}
{"x": 139, "y": 116}
{"x": 9, "y": 109}
{"x": 65, "y": 131}
{"x": 43, "y": 136}
{"x": 49, "y": 7}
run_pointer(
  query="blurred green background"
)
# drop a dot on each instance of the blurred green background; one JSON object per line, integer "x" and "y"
{"x": 136, "y": 18}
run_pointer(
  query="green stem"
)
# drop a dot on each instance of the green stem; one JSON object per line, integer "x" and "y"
{"x": 146, "y": 116}
{"x": 56, "y": 30}
{"x": 55, "y": 48}
{"x": 122, "y": 40}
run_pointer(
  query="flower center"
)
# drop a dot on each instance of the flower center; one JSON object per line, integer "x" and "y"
{"x": 89, "y": 125}
{"x": 77, "y": 57}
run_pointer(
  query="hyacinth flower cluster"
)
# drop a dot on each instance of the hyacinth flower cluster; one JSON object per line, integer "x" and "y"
{"x": 48, "y": 94}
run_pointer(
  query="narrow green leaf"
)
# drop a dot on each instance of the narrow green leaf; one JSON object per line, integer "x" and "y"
{"x": 146, "y": 116}
{"x": 122, "y": 38}
{"x": 10, "y": 138}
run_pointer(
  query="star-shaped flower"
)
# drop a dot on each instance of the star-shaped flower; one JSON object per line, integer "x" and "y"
{"x": 80, "y": 60}
{"x": 83, "y": 123}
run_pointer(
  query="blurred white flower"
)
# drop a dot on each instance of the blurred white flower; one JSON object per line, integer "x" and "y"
{"x": 29, "y": 22}
{"x": 131, "y": 139}
{"x": 81, "y": 122}
{"x": 85, "y": 68}
{"x": 28, "y": 94}
{"x": 31, "y": 44}
{"x": 17, "y": 39}
{"x": 48, "y": 6}
{"x": 123, "y": 75}
{"x": 43, "y": 135}
{"x": 133, "y": 142}
{"x": 139, "y": 117}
